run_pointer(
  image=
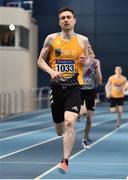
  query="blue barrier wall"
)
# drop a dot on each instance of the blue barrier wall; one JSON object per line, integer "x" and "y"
{"x": 104, "y": 22}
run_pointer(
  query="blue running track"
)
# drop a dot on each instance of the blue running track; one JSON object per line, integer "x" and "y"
{"x": 30, "y": 148}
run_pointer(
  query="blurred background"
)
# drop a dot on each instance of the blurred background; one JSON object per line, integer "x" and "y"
{"x": 25, "y": 24}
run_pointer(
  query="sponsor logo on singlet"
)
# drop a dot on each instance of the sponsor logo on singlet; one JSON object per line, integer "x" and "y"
{"x": 69, "y": 52}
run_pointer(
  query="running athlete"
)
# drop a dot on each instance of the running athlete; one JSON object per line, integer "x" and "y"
{"x": 66, "y": 71}
{"x": 115, "y": 91}
{"x": 92, "y": 77}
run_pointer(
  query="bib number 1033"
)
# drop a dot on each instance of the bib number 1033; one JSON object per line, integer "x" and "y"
{"x": 65, "y": 66}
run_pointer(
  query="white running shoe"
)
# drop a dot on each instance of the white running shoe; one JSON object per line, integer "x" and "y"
{"x": 84, "y": 144}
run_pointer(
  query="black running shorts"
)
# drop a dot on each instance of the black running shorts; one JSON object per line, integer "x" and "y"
{"x": 89, "y": 97}
{"x": 68, "y": 99}
{"x": 116, "y": 102}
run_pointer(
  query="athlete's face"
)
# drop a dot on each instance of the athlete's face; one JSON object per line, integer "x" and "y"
{"x": 66, "y": 20}
{"x": 118, "y": 70}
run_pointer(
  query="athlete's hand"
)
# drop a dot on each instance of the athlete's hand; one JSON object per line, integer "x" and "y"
{"x": 55, "y": 75}
{"x": 95, "y": 63}
{"x": 83, "y": 59}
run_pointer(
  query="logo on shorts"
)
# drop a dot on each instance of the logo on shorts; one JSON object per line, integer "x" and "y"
{"x": 93, "y": 108}
{"x": 75, "y": 108}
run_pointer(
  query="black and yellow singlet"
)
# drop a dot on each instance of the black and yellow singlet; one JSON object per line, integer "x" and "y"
{"x": 117, "y": 85}
{"x": 65, "y": 57}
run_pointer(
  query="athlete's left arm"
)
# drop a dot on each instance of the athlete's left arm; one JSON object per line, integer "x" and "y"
{"x": 125, "y": 86}
{"x": 84, "y": 44}
{"x": 98, "y": 74}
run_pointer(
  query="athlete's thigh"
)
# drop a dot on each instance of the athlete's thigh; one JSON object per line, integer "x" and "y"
{"x": 73, "y": 100}
{"x": 120, "y": 109}
{"x": 82, "y": 96}
{"x": 90, "y": 99}
{"x": 120, "y": 104}
{"x": 113, "y": 103}
{"x": 57, "y": 105}
{"x": 120, "y": 101}
{"x": 70, "y": 117}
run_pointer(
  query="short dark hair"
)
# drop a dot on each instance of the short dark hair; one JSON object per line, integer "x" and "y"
{"x": 63, "y": 9}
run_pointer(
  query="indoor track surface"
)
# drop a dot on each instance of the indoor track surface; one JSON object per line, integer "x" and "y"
{"x": 30, "y": 148}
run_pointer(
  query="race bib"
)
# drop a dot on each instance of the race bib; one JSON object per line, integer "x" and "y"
{"x": 118, "y": 88}
{"x": 65, "y": 67}
{"x": 87, "y": 81}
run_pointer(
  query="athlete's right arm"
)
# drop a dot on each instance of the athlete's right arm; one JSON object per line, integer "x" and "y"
{"x": 108, "y": 88}
{"x": 98, "y": 74}
{"x": 42, "y": 58}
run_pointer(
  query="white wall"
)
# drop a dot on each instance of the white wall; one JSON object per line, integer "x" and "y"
{"x": 18, "y": 69}
{"x": 15, "y": 15}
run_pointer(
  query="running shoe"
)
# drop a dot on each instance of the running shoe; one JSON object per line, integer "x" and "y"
{"x": 84, "y": 144}
{"x": 117, "y": 125}
{"x": 63, "y": 166}
{"x": 89, "y": 140}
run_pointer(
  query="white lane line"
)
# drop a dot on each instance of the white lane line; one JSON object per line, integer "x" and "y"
{"x": 19, "y": 115}
{"x": 99, "y": 140}
{"x": 26, "y": 125}
{"x": 30, "y": 132}
{"x": 71, "y": 163}
{"x": 80, "y": 152}
{"x": 27, "y": 133}
{"x": 33, "y": 123}
{"x": 43, "y": 121}
{"x": 29, "y": 147}
{"x": 46, "y": 141}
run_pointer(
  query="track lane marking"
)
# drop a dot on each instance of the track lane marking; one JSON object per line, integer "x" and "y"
{"x": 49, "y": 140}
{"x": 81, "y": 151}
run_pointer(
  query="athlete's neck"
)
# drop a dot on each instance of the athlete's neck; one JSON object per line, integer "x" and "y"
{"x": 117, "y": 75}
{"x": 67, "y": 35}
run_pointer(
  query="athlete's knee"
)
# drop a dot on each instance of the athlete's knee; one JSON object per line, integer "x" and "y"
{"x": 70, "y": 120}
{"x": 59, "y": 128}
{"x": 69, "y": 126}
{"x": 113, "y": 110}
{"x": 60, "y": 133}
